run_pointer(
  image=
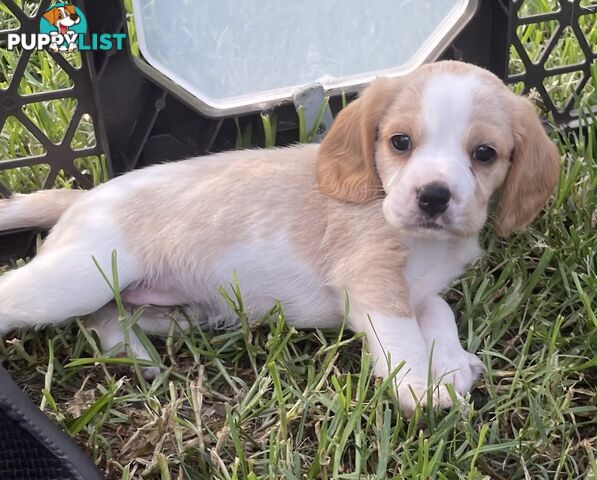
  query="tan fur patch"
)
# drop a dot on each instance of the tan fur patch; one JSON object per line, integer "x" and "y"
{"x": 533, "y": 174}
{"x": 346, "y": 160}
{"x": 243, "y": 196}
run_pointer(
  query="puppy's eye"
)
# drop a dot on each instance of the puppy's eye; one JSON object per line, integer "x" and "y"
{"x": 484, "y": 153}
{"x": 401, "y": 142}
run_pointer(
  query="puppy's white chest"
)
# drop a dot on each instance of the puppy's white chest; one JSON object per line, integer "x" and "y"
{"x": 434, "y": 263}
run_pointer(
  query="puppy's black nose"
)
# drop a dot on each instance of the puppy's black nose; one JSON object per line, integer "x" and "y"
{"x": 74, "y": 17}
{"x": 434, "y": 198}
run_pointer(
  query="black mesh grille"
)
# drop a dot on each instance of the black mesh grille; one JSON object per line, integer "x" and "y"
{"x": 24, "y": 96}
{"x": 569, "y": 19}
{"x": 22, "y": 457}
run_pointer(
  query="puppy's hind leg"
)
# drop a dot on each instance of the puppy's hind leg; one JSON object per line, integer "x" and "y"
{"x": 60, "y": 283}
{"x": 153, "y": 320}
{"x": 111, "y": 335}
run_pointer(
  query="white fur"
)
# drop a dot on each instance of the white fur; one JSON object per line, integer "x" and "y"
{"x": 450, "y": 362}
{"x": 63, "y": 280}
{"x": 447, "y": 100}
{"x": 15, "y": 213}
{"x": 269, "y": 270}
{"x": 434, "y": 263}
{"x": 408, "y": 350}
{"x": 38, "y": 209}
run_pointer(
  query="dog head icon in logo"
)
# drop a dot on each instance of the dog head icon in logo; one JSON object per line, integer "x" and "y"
{"x": 63, "y": 27}
{"x": 65, "y": 23}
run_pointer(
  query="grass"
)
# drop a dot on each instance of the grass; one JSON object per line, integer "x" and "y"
{"x": 268, "y": 401}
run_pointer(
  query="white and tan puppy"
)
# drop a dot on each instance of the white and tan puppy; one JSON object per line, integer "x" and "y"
{"x": 388, "y": 209}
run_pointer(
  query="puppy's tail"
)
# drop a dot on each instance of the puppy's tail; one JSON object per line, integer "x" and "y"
{"x": 40, "y": 209}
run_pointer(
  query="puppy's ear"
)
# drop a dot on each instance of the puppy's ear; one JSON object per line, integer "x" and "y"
{"x": 51, "y": 16}
{"x": 70, "y": 9}
{"x": 346, "y": 159}
{"x": 533, "y": 173}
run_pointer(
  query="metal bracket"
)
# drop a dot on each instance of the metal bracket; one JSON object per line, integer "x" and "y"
{"x": 311, "y": 99}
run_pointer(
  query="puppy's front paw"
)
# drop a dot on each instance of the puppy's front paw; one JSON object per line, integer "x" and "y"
{"x": 413, "y": 392}
{"x": 458, "y": 367}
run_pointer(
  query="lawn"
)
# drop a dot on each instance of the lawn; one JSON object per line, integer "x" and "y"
{"x": 268, "y": 401}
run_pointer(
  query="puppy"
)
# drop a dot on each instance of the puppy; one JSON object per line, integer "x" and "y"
{"x": 387, "y": 210}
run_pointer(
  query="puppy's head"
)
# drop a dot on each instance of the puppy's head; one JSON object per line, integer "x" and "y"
{"x": 62, "y": 17}
{"x": 435, "y": 145}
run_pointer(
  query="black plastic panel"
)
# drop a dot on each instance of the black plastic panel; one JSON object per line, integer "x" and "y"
{"x": 565, "y": 17}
